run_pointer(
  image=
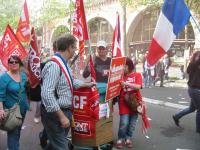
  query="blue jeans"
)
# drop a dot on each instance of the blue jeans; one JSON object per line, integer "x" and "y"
{"x": 57, "y": 135}
{"x": 147, "y": 78}
{"x": 194, "y": 105}
{"x": 127, "y": 126}
{"x": 14, "y": 136}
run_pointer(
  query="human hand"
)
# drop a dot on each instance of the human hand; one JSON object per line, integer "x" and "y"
{"x": 93, "y": 84}
{"x": 90, "y": 84}
{"x": 123, "y": 83}
{"x": 2, "y": 114}
{"x": 64, "y": 122}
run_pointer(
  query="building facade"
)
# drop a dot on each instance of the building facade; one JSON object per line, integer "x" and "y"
{"x": 137, "y": 28}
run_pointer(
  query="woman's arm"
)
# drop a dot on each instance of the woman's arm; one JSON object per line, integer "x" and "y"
{"x": 132, "y": 85}
{"x": 2, "y": 112}
{"x": 1, "y": 105}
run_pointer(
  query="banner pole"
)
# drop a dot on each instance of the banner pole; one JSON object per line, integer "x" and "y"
{"x": 195, "y": 23}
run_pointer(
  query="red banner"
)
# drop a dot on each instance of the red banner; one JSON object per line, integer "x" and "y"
{"x": 116, "y": 46}
{"x": 79, "y": 22}
{"x": 80, "y": 28}
{"x": 10, "y": 45}
{"x": 86, "y": 102}
{"x": 92, "y": 70}
{"x": 34, "y": 61}
{"x": 23, "y": 30}
{"x": 116, "y": 75}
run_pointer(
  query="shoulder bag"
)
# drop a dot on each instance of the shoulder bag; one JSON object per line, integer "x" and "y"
{"x": 13, "y": 117}
{"x": 131, "y": 101}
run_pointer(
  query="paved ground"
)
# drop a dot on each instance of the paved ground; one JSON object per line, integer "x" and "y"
{"x": 29, "y": 138}
{"x": 30, "y": 131}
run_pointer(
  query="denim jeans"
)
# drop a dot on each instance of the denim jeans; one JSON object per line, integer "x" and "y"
{"x": 194, "y": 105}
{"x": 147, "y": 78}
{"x": 14, "y": 136}
{"x": 37, "y": 110}
{"x": 57, "y": 135}
{"x": 127, "y": 126}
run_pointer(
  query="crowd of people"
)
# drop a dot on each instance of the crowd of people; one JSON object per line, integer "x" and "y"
{"x": 57, "y": 87}
{"x": 157, "y": 72}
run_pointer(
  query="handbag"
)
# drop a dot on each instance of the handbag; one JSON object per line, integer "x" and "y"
{"x": 131, "y": 101}
{"x": 13, "y": 117}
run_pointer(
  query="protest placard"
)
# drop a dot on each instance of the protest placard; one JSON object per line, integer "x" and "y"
{"x": 115, "y": 77}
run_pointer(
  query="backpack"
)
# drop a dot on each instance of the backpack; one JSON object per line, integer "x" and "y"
{"x": 34, "y": 94}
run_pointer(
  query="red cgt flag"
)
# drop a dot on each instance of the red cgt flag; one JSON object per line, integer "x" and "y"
{"x": 116, "y": 47}
{"x": 10, "y": 45}
{"x": 80, "y": 27}
{"x": 90, "y": 105}
{"x": 23, "y": 30}
{"x": 34, "y": 61}
{"x": 79, "y": 22}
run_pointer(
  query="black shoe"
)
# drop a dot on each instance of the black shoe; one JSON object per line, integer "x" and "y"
{"x": 43, "y": 141}
{"x": 176, "y": 121}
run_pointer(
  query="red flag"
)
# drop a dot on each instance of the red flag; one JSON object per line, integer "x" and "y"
{"x": 23, "y": 30}
{"x": 93, "y": 73}
{"x": 80, "y": 27}
{"x": 34, "y": 61}
{"x": 10, "y": 45}
{"x": 116, "y": 47}
{"x": 79, "y": 22}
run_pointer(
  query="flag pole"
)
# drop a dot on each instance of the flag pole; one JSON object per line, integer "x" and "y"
{"x": 195, "y": 23}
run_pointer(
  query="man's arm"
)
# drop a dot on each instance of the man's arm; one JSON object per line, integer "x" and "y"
{"x": 63, "y": 119}
{"x": 86, "y": 72}
{"x": 50, "y": 78}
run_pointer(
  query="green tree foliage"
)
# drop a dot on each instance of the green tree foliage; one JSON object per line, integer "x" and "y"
{"x": 59, "y": 31}
{"x": 10, "y": 10}
{"x": 139, "y": 2}
{"x": 194, "y": 5}
{"x": 9, "y": 13}
{"x": 52, "y": 9}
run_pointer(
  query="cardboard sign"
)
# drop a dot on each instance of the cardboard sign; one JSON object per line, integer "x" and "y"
{"x": 116, "y": 75}
{"x": 104, "y": 110}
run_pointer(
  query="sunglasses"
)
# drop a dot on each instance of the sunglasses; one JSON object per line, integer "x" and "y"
{"x": 13, "y": 62}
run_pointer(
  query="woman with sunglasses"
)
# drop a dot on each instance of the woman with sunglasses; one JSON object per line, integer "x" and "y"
{"x": 12, "y": 83}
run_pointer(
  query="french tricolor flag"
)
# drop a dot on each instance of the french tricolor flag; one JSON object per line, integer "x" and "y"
{"x": 173, "y": 18}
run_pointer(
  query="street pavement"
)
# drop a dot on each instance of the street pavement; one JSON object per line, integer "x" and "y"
{"x": 162, "y": 103}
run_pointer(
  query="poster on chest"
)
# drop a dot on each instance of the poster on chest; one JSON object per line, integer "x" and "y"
{"x": 116, "y": 75}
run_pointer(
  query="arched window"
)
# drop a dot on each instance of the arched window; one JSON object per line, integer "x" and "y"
{"x": 143, "y": 33}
